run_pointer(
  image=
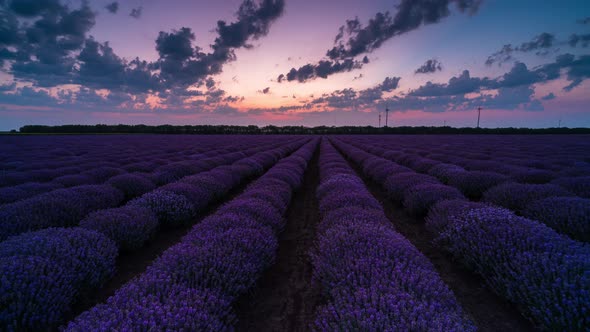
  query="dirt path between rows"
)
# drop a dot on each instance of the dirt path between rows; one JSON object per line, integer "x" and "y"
{"x": 134, "y": 263}
{"x": 489, "y": 311}
{"x": 284, "y": 299}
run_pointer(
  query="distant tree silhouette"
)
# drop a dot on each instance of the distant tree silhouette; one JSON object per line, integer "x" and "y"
{"x": 287, "y": 130}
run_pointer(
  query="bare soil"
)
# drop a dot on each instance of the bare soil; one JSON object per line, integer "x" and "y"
{"x": 285, "y": 299}
{"x": 489, "y": 311}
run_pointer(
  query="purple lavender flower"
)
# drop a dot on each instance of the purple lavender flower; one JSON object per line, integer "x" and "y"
{"x": 396, "y": 185}
{"x": 129, "y": 226}
{"x": 567, "y": 215}
{"x": 132, "y": 185}
{"x": 474, "y": 183}
{"x": 36, "y": 292}
{"x": 578, "y": 185}
{"x": 516, "y": 196}
{"x": 88, "y": 254}
{"x": 420, "y": 198}
{"x": 62, "y": 207}
{"x": 171, "y": 209}
{"x": 545, "y": 273}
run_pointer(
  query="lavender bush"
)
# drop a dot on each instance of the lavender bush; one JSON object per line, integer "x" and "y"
{"x": 567, "y": 215}
{"x": 172, "y": 210}
{"x": 527, "y": 262}
{"x": 131, "y": 185}
{"x": 62, "y": 207}
{"x": 373, "y": 278}
{"x": 516, "y": 196}
{"x": 474, "y": 183}
{"x": 420, "y": 198}
{"x": 577, "y": 185}
{"x": 193, "y": 284}
{"x": 36, "y": 292}
{"x": 129, "y": 226}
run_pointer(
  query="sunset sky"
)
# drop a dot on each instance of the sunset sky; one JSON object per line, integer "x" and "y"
{"x": 295, "y": 62}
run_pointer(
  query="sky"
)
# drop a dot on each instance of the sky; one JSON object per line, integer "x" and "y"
{"x": 295, "y": 62}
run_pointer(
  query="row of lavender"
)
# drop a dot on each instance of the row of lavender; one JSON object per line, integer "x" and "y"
{"x": 557, "y": 204}
{"x": 116, "y": 162}
{"x": 193, "y": 285}
{"x": 559, "y": 159}
{"x": 66, "y": 207}
{"x": 546, "y": 274}
{"x": 65, "y": 264}
{"x": 561, "y": 155}
{"x": 372, "y": 277}
{"x": 57, "y": 158}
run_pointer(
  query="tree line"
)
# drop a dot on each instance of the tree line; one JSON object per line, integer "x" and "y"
{"x": 286, "y": 130}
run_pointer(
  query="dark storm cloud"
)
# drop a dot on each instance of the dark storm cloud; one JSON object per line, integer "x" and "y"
{"x": 354, "y": 39}
{"x": 584, "y": 20}
{"x": 113, "y": 7}
{"x": 266, "y": 90}
{"x": 136, "y": 12}
{"x": 540, "y": 44}
{"x": 430, "y": 66}
{"x": 549, "y": 96}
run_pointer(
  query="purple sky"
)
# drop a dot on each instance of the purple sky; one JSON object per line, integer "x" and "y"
{"x": 287, "y": 62}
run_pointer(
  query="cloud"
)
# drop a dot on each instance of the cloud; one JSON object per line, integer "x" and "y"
{"x": 265, "y": 90}
{"x": 7, "y": 87}
{"x": 350, "y": 98}
{"x": 41, "y": 39}
{"x": 510, "y": 91}
{"x": 112, "y": 7}
{"x": 354, "y": 39}
{"x": 48, "y": 44}
{"x": 430, "y": 66}
{"x": 540, "y": 43}
{"x": 389, "y": 84}
{"x": 254, "y": 20}
{"x": 322, "y": 69}
{"x": 584, "y": 20}
{"x": 461, "y": 84}
{"x": 410, "y": 15}
{"x": 32, "y": 8}
{"x": 181, "y": 64}
{"x": 576, "y": 69}
{"x": 136, "y": 12}
{"x": 579, "y": 40}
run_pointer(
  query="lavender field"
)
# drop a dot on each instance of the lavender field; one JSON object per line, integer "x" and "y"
{"x": 294, "y": 233}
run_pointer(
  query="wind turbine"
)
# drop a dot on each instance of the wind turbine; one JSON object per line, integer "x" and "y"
{"x": 478, "y": 115}
{"x": 386, "y": 115}
{"x": 379, "y": 119}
